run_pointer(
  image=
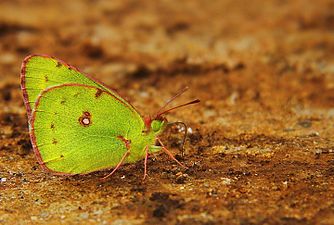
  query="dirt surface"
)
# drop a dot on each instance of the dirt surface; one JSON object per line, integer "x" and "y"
{"x": 261, "y": 141}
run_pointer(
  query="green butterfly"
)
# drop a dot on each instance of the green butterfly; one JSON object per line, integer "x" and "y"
{"x": 78, "y": 125}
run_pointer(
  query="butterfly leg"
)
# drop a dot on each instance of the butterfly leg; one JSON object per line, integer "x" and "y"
{"x": 126, "y": 154}
{"x": 145, "y": 162}
{"x": 170, "y": 154}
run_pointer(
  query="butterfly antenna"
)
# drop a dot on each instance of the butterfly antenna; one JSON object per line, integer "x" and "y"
{"x": 179, "y": 106}
{"x": 180, "y": 92}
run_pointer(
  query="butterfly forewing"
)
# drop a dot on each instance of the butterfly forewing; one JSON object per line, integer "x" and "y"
{"x": 40, "y": 72}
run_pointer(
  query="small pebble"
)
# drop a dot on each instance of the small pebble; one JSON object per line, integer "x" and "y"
{"x": 226, "y": 181}
{"x": 180, "y": 128}
{"x": 33, "y": 217}
{"x": 84, "y": 215}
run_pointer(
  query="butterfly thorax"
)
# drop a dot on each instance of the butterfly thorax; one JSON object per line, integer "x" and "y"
{"x": 152, "y": 128}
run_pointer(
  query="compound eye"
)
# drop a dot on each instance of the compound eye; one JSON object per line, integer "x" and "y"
{"x": 156, "y": 125}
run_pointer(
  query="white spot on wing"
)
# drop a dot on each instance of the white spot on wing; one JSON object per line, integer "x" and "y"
{"x": 86, "y": 121}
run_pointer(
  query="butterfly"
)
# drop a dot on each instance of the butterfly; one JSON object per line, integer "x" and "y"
{"x": 79, "y": 125}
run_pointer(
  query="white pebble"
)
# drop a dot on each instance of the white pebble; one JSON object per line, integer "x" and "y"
{"x": 226, "y": 181}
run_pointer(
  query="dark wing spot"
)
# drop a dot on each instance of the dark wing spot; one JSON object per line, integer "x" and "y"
{"x": 87, "y": 114}
{"x": 61, "y": 156}
{"x": 127, "y": 142}
{"x": 85, "y": 119}
{"x": 98, "y": 93}
{"x": 63, "y": 101}
{"x": 46, "y": 78}
{"x": 52, "y": 126}
{"x": 58, "y": 64}
{"x": 54, "y": 141}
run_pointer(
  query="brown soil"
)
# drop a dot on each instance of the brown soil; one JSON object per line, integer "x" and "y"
{"x": 262, "y": 136}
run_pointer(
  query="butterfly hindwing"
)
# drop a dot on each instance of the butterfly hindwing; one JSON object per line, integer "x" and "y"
{"x": 77, "y": 128}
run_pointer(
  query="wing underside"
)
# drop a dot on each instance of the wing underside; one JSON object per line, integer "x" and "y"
{"x": 39, "y": 72}
{"x": 76, "y": 128}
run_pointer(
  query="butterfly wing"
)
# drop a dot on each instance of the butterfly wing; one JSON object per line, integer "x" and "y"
{"x": 76, "y": 128}
{"x": 39, "y": 72}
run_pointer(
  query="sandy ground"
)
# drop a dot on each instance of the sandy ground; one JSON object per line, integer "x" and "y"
{"x": 261, "y": 141}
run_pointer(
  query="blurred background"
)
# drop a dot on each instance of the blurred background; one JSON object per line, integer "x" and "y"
{"x": 264, "y": 71}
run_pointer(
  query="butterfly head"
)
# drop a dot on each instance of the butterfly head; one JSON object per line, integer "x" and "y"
{"x": 155, "y": 124}
{"x": 158, "y": 122}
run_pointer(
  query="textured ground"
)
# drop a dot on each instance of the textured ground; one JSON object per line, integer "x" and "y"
{"x": 261, "y": 141}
